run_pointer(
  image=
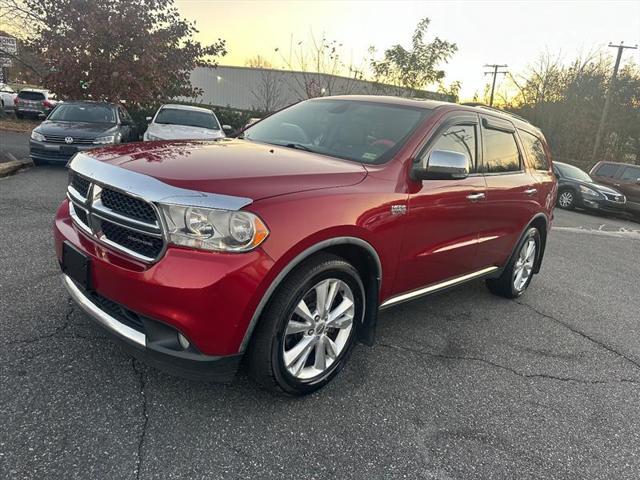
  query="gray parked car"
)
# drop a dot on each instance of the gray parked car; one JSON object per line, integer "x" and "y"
{"x": 34, "y": 102}
{"x": 80, "y": 125}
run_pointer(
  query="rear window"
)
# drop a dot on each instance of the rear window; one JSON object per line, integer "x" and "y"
{"x": 607, "y": 170}
{"x": 535, "y": 151}
{"x": 31, "y": 95}
{"x": 631, "y": 174}
{"x": 500, "y": 151}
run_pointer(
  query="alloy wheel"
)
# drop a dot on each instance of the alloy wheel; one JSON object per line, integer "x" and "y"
{"x": 319, "y": 329}
{"x": 566, "y": 199}
{"x": 524, "y": 265}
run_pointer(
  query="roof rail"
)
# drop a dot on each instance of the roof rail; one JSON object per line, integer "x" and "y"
{"x": 494, "y": 109}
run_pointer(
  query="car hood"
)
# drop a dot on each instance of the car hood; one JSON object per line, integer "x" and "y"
{"x": 233, "y": 167}
{"x": 79, "y": 129}
{"x": 182, "y": 132}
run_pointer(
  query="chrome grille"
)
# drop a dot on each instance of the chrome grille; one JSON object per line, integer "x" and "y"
{"x": 74, "y": 141}
{"x": 126, "y": 205}
{"x": 119, "y": 220}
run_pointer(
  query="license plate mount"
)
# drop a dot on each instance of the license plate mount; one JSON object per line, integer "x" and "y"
{"x": 76, "y": 265}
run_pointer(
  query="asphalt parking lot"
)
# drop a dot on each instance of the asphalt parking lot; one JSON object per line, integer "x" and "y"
{"x": 461, "y": 385}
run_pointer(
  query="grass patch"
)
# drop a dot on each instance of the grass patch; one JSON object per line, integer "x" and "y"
{"x": 12, "y": 124}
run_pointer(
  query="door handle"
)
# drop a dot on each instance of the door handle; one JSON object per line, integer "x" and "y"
{"x": 531, "y": 191}
{"x": 474, "y": 197}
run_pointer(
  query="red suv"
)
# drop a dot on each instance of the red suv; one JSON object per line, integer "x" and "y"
{"x": 281, "y": 245}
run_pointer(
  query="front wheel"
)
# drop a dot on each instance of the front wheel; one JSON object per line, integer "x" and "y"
{"x": 567, "y": 200}
{"x": 306, "y": 334}
{"x": 518, "y": 273}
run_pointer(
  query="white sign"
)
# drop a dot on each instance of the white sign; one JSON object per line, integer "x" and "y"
{"x": 8, "y": 45}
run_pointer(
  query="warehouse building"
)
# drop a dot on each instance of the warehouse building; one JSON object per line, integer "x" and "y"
{"x": 265, "y": 89}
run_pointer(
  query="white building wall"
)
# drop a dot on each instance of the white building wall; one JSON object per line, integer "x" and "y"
{"x": 255, "y": 88}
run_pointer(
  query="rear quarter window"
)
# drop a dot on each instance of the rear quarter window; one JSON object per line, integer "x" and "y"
{"x": 535, "y": 151}
{"x": 606, "y": 170}
{"x": 31, "y": 95}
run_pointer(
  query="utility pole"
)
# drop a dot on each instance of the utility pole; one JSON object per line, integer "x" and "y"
{"x": 607, "y": 101}
{"x": 495, "y": 73}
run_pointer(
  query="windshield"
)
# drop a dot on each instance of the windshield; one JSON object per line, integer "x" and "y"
{"x": 367, "y": 132}
{"x": 190, "y": 118}
{"x": 68, "y": 112}
{"x": 573, "y": 172}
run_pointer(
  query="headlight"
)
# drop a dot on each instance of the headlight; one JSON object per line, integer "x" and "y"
{"x": 589, "y": 192}
{"x": 153, "y": 138}
{"x": 212, "y": 229}
{"x": 38, "y": 137}
{"x": 107, "y": 139}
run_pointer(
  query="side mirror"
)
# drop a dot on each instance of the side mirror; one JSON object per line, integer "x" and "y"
{"x": 227, "y": 128}
{"x": 443, "y": 165}
{"x": 148, "y": 119}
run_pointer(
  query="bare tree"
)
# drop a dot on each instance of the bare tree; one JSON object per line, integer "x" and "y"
{"x": 268, "y": 93}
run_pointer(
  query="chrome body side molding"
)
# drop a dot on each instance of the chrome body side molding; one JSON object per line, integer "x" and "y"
{"x": 438, "y": 286}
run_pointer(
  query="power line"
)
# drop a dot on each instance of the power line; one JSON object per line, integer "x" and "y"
{"x": 607, "y": 101}
{"x": 495, "y": 73}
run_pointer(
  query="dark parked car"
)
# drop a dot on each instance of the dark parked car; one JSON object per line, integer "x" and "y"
{"x": 32, "y": 102}
{"x": 623, "y": 177}
{"x": 577, "y": 189}
{"x": 281, "y": 246}
{"x": 76, "y": 126}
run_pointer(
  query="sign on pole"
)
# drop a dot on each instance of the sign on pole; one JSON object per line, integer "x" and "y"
{"x": 8, "y": 46}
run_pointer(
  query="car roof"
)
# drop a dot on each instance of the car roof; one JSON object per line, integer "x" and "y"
{"x": 409, "y": 102}
{"x": 37, "y": 90}
{"x": 519, "y": 122}
{"x": 186, "y": 107}
{"x": 601, "y": 162}
{"x": 89, "y": 102}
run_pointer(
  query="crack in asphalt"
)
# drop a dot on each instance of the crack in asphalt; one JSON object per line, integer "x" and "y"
{"x": 59, "y": 329}
{"x": 504, "y": 367}
{"x": 569, "y": 327}
{"x": 145, "y": 415}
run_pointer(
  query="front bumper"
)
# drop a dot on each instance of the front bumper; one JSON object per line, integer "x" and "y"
{"x": 604, "y": 205}
{"x": 55, "y": 152}
{"x": 156, "y": 345}
{"x": 207, "y": 297}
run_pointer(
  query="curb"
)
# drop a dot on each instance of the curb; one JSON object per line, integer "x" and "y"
{"x": 7, "y": 168}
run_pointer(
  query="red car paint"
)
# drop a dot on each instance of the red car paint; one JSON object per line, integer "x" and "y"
{"x": 304, "y": 199}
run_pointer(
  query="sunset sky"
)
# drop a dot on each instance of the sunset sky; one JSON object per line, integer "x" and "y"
{"x": 504, "y": 32}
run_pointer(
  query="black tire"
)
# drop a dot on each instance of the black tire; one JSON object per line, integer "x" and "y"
{"x": 38, "y": 163}
{"x": 19, "y": 116}
{"x": 265, "y": 355}
{"x": 504, "y": 285}
{"x": 566, "y": 199}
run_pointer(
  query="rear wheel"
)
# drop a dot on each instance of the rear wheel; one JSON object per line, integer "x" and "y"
{"x": 567, "y": 199}
{"x": 38, "y": 163}
{"x": 19, "y": 116}
{"x": 518, "y": 273}
{"x": 308, "y": 329}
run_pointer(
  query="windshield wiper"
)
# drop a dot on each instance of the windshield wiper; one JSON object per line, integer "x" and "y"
{"x": 298, "y": 146}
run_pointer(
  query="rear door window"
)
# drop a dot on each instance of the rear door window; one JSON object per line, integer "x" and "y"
{"x": 501, "y": 154}
{"x": 37, "y": 96}
{"x": 631, "y": 174}
{"x": 607, "y": 170}
{"x": 535, "y": 151}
